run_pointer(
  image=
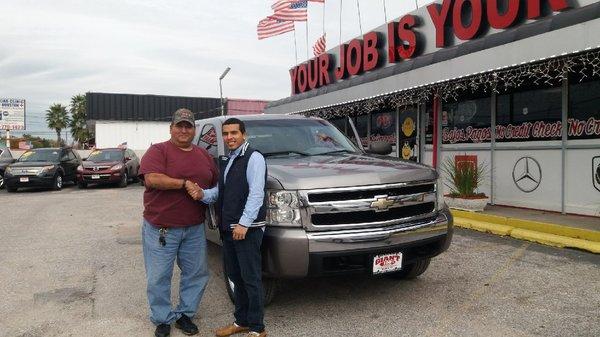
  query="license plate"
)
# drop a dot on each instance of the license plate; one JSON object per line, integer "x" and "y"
{"x": 95, "y": 176}
{"x": 386, "y": 263}
{"x": 24, "y": 179}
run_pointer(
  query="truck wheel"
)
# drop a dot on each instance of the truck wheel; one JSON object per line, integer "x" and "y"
{"x": 58, "y": 182}
{"x": 411, "y": 271}
{"x": 270, "y": 286}
{"x": 124, "y": 179}
{"x": 1, "y": 181}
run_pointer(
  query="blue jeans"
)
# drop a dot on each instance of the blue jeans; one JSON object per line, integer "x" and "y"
{"x": 244, "y": 269}
{"x": 188, "y": 246}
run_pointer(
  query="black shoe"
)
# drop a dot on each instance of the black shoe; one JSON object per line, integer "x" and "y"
{"x": 186, "y": 326}
{"x": 162, "y": 330}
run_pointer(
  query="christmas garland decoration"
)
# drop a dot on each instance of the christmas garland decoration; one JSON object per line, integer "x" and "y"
{"x": 542, "y": 72}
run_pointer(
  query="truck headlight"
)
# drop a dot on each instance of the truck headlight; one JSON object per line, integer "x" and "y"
{"x": 283, "y": 209}
{"x": 439, "y": 190}
{"x": 8, "y": 171}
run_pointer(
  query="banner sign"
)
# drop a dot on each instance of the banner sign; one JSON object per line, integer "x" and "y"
{"x": 527, "y": 131}
{"x": 461, "y": 19}
{"x": 12, "y": 114}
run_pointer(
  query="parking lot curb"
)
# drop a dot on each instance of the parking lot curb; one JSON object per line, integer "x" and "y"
{"x": 540, "y": 232}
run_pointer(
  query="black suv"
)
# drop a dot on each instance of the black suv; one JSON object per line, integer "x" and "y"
{"x": 6, "y": 159}
{"x": 45, "y": 167}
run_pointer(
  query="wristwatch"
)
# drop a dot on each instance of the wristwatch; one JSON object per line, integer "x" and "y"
{"x": 183, "y": 185}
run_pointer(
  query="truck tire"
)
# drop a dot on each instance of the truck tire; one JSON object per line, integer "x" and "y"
{"x": 1, "y": 181}
{"x": 270, "y": 286}
{"x": 411, "y": 271}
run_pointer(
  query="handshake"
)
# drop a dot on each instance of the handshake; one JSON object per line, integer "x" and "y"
{"x": 195, "y": 191}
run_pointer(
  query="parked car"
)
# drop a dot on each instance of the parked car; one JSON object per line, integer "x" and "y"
{"x": 6, "y": 158}
{"x": 43, "y": 167}
{"x": 109, "y": 166}
{"x": 334, "y": 208}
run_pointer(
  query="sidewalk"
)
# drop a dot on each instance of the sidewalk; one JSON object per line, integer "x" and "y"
{"x": 549, "y": 228}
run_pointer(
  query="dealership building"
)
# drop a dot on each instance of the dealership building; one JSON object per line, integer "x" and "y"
{"x": 513, "y": 85}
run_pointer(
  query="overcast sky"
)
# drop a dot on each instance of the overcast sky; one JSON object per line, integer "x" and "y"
{"x": 52, "y": 50}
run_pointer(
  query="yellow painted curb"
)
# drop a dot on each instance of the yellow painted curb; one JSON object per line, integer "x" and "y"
{"x": 576, "y": 233}
{"x": 483, "y": 226}
{"x": 527, "y": 234}
{"x": 555, "y": 240}
{"x": 544, "y": 227}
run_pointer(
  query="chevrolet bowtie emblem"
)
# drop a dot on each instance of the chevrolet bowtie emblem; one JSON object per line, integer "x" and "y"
{"x": 383, "y": 203}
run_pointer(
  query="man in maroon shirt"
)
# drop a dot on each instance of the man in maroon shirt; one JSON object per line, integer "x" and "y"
{"x": 172, "y": 227}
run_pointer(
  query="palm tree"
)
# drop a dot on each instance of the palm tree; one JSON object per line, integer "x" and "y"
{"x": 78, "y": 115}
{"x": 57, "y": 119}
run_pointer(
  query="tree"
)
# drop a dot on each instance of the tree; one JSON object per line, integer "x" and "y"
{"x": 57, "y": 119}
{"x": 78, "y": 115}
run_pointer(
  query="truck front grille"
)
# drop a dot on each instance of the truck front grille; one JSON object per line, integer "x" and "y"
{"x": 368, "y": 206}
{"x": 347, "y": 218}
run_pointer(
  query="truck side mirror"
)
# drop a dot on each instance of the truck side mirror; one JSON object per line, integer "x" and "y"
{"x": 380, "y": 147}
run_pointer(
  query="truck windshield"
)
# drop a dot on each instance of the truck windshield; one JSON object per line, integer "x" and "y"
{"x": 292, "y": 137}
{"x": 50, "y": 155}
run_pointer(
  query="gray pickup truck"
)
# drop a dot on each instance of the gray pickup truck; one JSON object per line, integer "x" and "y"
{"x": 335, "y": 208}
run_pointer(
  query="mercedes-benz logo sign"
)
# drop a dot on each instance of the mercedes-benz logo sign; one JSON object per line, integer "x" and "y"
{"x": 527, "y": 174}
{"x": 596, "y": 172}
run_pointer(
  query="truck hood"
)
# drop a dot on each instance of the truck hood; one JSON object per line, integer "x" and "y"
{"x": 344, "y": 170}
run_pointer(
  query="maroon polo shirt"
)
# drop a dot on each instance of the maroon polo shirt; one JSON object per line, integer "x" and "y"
{"x": 175, "y": 208}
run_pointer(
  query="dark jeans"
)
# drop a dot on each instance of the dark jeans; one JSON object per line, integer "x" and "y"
{"x": 244, "y": 269}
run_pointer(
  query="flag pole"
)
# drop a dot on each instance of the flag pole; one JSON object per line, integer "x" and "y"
{"x": 295, "y": 46}
{"x": 340, "y": 22}
{"x": 385, "y": 11}
{"x": 307, "y": 58}
{"x": 359, "y": 21}
{"x": 323, "y": 7}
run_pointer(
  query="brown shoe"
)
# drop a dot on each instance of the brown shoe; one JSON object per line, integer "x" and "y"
{"x": 230, "y": 330}
{"x": 256, "y": 334}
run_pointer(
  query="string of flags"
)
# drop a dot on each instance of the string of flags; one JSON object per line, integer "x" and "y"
{"x": 285, "y": 13}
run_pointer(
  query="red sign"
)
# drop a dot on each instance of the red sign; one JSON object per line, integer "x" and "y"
{"x": 461, "y": 161}
{"x": 466, "y": 19}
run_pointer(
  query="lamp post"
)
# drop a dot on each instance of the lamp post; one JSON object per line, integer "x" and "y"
{"x": 221, "y": 89}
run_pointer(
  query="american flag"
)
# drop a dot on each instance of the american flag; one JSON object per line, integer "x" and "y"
{"x": 268, "y": 27}
{"x": 290, "y": 10}
{"x": 319, "y": 47}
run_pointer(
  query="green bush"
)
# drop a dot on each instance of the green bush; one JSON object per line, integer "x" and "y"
{"x": 463, "y": 180}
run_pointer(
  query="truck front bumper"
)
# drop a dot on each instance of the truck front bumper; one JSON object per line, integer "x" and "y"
{"x": 295, "y": 253}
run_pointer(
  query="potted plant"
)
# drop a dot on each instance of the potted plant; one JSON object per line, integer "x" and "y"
{"x": 463, "y": 179}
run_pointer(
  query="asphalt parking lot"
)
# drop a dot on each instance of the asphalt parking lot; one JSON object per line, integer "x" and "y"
{"x": 71, "y": 265}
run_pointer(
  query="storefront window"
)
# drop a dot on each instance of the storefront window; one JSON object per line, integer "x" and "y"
{"x": 529, "y": 115}
{"x": 467, "y": 121}
{"x": 383, "y": 127}
{"x": 429, "y": 123}
{"x": 584, "y": 110}
{"x": 408, "y": 134}
{"x": 362, "y": 127}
